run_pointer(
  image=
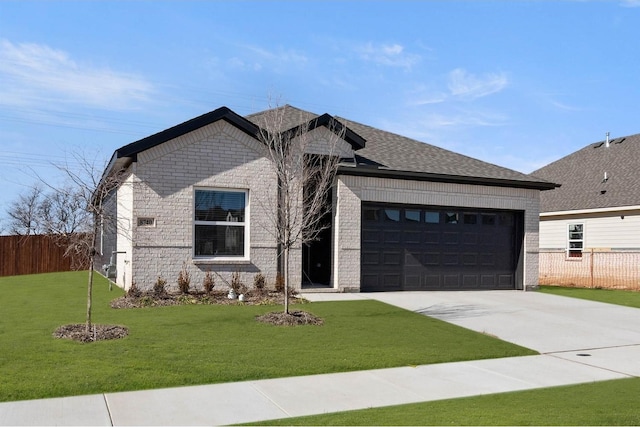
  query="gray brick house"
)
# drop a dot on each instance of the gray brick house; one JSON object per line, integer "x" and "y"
{"x": 405, "y": 215}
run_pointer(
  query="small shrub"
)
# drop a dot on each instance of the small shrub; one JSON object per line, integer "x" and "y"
{"x": 146, "y": 301}
{"x": 236, "y": 283}
{"x": 208, "y": 283}
{"x": 159, "y": 288}
{"x": 279, "y": 283}
{"x": 184, "y": 279}
{"x": 187, "y": 300}
{"x": 134, "y": 291}
{"x": 259, "y": 282}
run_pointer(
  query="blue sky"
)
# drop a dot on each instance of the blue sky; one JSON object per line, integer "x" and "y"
{"x": 518, "y": 83}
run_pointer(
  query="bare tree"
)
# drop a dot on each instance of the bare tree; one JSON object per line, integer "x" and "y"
{"x": 305, "y": 168}
{"x": 23, "y": 212}
{"x": 63, "y": 211}
{"x": 76, "y": 212}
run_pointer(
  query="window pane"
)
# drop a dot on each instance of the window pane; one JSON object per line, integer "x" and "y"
{"x": 370, "y": 214}
{"x": 470, "y": 218}
{"x": 412, "y": 215}
{"x": 392, "y": 215}
{"x": 575, "y": 236}
{"x": 488, "y": 219}
{"x": 451, "y": 218}
{"x": 220, "y": 206}
{"x": 575, "y": 227}
{"x": 432, "y": 217}
{"x": 219, "y": 240}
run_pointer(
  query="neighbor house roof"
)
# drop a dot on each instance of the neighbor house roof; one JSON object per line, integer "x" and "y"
{"x": 377, "y": 152}
{"x": 583, "y": 180}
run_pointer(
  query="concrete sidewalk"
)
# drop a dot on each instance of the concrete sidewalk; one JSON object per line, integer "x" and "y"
{"x": 594, "y": 352}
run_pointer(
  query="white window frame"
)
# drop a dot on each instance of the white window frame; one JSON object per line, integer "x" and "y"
{"x": 205, "y": 258}
{"x": 578, "y": 255}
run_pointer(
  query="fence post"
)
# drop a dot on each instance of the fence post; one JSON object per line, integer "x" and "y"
{"x": 591, "y": 267}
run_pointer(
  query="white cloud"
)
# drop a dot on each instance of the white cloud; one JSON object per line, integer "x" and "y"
{"x": 392, "y": 55}
{"x": 466, "y": 85}
{"x": 630, "y": 3}
{"x": 33, "y": 73}
{"x": 278, "y": 58}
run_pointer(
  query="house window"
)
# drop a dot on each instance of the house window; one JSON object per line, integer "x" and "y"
{"x": 575, "y": 240}
{"x": 220, "y": 224}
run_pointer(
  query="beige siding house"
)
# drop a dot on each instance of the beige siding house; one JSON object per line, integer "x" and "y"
{"x": 405, "y": 215}
{"x": 590, "y": 226}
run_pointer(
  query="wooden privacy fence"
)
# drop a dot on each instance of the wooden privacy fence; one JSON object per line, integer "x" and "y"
{"x": 595, "y": 269}
{"x": 32, "y": 255}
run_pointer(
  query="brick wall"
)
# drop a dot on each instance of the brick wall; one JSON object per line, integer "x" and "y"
{"x": 215, "y": 156}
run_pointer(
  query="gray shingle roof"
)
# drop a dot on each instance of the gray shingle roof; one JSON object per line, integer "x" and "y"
{"x": 389, "y": 152}
{"x": 581, "y": 175}
{"x": 378, "y": 153}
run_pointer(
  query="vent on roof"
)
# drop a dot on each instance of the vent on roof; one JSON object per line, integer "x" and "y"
{"x": 606, "y": 142}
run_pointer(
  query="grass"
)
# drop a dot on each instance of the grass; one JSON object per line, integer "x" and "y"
{"x": 603, "y": 403}
{"x": 188, "y": 345}
{"x": 600, "y": 403}
{"x": 626, "y": 298}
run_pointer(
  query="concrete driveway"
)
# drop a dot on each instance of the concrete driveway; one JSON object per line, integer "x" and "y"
{"x": 592, "y": 333}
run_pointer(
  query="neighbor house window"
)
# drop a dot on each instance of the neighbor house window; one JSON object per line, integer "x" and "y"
{"x": 575, "y": 240}
{"x": 220, "y": 226}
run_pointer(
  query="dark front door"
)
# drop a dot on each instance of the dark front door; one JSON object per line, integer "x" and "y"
{"x": 438, "y": 248}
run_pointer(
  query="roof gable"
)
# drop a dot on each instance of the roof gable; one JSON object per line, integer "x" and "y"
{"x": 582, "y": 176}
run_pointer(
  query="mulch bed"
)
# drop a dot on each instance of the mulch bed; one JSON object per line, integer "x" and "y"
{"x": 293, "y": 318}
{"x": 216, "y": 297}
{"x": 76, "y": 331}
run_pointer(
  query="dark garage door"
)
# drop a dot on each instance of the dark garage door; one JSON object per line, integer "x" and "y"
{"x": 438, "y": 248}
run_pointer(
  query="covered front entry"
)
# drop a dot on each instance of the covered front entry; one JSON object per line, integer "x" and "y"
{"x": 438, "y": 248}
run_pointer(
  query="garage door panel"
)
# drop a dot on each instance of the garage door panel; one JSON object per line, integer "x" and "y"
{"x": 370, "y": 236}
{"x": 391, "y": 236}
{"x": 412, "y": 237}
{"x": 451, "y": 281}
{"x": 470, "y": 259}
{"x": 450, "y": 259}
{"x": 469, "y": 281}
{"x": 370, "y": 258}
{"x": 429, "y": 248}
{"x": 391, "y": 258}
{"x": 431, "y": 259}
{"x": 412, "y": 282}
{"x": 432, "y": 237}
{"x": 432, "y": 281}
{"x": 412, "y": 259}
{"x": 450, "y": 238}
{"x": 488, "y": 281}
{"x": 470, "y": 238}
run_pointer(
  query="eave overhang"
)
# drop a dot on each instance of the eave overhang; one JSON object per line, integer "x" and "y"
{"x": 432, "y": 177}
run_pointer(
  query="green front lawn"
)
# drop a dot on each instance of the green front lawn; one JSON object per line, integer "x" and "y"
{"x": 187, "y": 345}
{"x": 628, "y": 298}
{"x": 601, "y": 404}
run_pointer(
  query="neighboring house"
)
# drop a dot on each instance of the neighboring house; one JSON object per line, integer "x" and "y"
{"x": 405, "y": 215}
{"x": 590, "y": 226}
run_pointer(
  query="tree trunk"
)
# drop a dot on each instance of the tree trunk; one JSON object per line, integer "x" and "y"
{"x": 92, "y": 261}
{"x": 89, "y": 297}
{"x": 286, "y": 279}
